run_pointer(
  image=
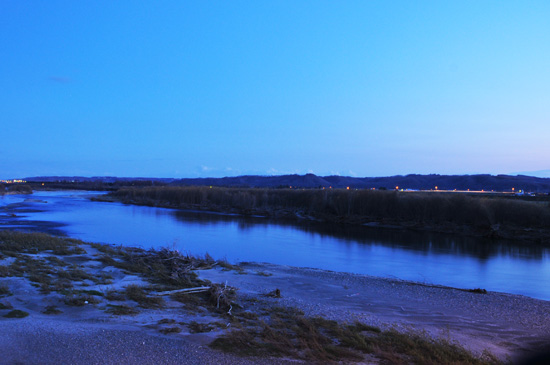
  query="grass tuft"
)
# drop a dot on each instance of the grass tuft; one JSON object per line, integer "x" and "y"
{"x": 195, "y": 327}
{"x": 16, "y": 313}
{"x": 287, "y": 332}
{"x": 121, "y": 310}
{"x": 51, "y": 309}
{"x": 139, "y": 295}
{"x": 4, "y": 291}
{"x": 81, "y": 300}
{"x": 169, "y": 330}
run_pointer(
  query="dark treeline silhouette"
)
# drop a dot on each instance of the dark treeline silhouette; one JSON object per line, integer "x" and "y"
{"x": 96, "y": 185}
{"x": 15, "y": 189}
{"x": 413, "y": 181}
{"x": 453, "y": 212}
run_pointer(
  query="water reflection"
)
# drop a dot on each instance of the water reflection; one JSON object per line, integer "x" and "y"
{"x": 425, "y": 243}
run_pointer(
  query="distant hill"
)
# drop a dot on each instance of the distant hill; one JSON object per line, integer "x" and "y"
{"x": 415, "y": 182}
{"x": 103, "y": 179}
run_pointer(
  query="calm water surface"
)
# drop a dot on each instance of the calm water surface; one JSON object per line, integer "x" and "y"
{"x": 430, "y": 258}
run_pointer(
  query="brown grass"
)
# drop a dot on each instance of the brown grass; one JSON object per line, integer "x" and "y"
{"x": 287, "y": 332}
{"x": 138, "y": 294}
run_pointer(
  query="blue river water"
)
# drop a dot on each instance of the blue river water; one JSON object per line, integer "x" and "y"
{"x": 461, "y": 262}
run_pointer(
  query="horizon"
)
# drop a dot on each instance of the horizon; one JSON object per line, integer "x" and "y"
{"x": 541, "y": 174}
{"x": 196, "y": 90}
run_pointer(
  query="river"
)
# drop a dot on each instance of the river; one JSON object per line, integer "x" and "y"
{"x": 462, "y": 262}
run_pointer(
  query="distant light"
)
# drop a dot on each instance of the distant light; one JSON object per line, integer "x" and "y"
{"x": 436, "y": 188}
{"x": 397, "y": 188}
{"x": 513, "y": 189}
{"x": 347, "y": 188}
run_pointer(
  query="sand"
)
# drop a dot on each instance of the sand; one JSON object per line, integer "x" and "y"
{"x": 508, "y": 326}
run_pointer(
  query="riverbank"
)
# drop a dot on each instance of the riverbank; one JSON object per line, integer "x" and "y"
{"x": 81, "y": 298}
{"x": 452, "y": 213}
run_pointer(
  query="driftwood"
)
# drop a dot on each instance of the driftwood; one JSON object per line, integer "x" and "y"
{"x": 199, "y": 289}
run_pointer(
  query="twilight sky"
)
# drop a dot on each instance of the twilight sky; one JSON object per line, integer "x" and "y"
{"x": 224, "y": 88}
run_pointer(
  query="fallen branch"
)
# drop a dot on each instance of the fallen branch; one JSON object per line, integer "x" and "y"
{"x": 199, "y": 289}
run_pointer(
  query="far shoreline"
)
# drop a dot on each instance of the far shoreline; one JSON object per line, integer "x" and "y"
{"x": 528, "y": 236}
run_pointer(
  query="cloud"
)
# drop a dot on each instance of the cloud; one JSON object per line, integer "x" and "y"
{"x": 60, "y": 79}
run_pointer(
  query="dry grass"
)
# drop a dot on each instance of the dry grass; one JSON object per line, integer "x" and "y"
{"x": 4, "y": 291}
{"x": 52, "y": 309}
{"x": 80, "y": 300}
{"x": 169, "y": 330}
{"x": 16, "y": 313}
{"x": 39, "y": 242}
{"x": 287, "y": 332}
{"x": 121, "y": 310}
{"x": 139, "y": 295}
{"x": 195, "y": 327}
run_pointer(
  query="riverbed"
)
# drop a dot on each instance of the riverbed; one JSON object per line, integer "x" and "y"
{"x": 461, "y": 262}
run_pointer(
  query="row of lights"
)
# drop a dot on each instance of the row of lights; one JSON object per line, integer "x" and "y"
{"x": 12, "y": 181}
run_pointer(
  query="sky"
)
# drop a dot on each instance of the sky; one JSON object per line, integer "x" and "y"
{"x": 226, "y": 88}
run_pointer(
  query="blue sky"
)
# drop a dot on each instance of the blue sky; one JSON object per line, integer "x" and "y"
{"x": 223, "y": 88}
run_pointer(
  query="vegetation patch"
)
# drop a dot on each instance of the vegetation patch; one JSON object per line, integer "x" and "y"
{"x": 4, "y": 271}
{"x": 51, "y": 309}
{"x": 33, "y": 243}
{"x": 5, "y": 306}
{"x": 229, "y": 266}
{"x": 81, "y": 300}
{"x": 139, "y": 295}
{"x": 263, "y": 273}
{"x": 196, "y": 327}
{"x": 169, "y": 330}
{"x": 16, "y": 313}
{"x": 287, "y": 332}
{"x": 114, "y": 295}
{"x": 4, "y": 291}
{"x": 121, "y": 310}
